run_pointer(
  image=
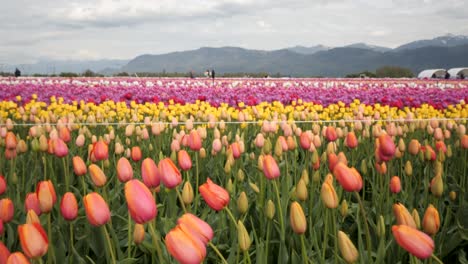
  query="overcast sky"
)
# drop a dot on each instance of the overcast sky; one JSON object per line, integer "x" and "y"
{"x": 122, "y": 29}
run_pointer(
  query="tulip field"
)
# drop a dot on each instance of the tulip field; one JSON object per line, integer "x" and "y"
{"x": 174, "y": 170}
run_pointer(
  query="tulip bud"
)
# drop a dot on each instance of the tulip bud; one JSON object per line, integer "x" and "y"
{"x": 381, "y": 227}
{"x": 242, "y": 203}
{"x": 452, "y": 196}
{"x": 33, "y": 240}
{"x": 431, "y": 220}
{"x": 415, "y": 216}
{"x": 305, "y": 176}
{"x": 45, "y": 192}
{"x": 187, "y": 193}
{"x": 344, "y": 208}
{"x": 437, "y": 186}
{"x": 230, "y": 186}
{"x": 97, "y": 175}
{"x": 301, "y": 190}
{"x": 138, "y": 234}
{"x": 270, "y": 209}
{"x": 297, "y": 218}
{"x": 328, "y": 193}
{"x": 403, "y": 217}
{"x": 414, "y": 147}
{"x": 240, "y": 175}
{"x": 31, "y": 217}
{"x": 395, "y": 184}
{"x": 243, "y": 236}
{"x": 347, "y": 248}
{"x": 254, "y": 187}
{"x": 408, "y": 168}
{"x": 316, "y": 177}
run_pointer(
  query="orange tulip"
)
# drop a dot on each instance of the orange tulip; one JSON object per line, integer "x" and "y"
{"x": 79, "y": 166}
{"x": 270, "y": 167}
{"x": 328, "y": 193}
{"x": 138, "y": 234}
{"x": 64, "y": 134}
{"x": 100, "y": 150}
{"x": 431, "y": 221}
{"x": 414, "y": 241}
{"x": 351, "y": 140}
{"x": 4, "y": 253}
{"x": 403, "y": 216}
{"x": 169, "y": 173}
{"x": 7, "y": 210}
{"x": 332, "y": 159}
{"x": 304, "y": 141}
{"x": 437, "y": 185}
{"x": 17, "y": 258}
{"x": 395, "y": 184}
{"x": 349, "y": 178}
{"x": 97, "y": 210}
{"x": 464, "y": 141}
{"x": 69, "y": 206}
{"x": 215, "y": 196}
{"x": 10, "y": 141}
{"x": 45, "y": 192}
{"x": 198, "y": 227}
{"x": 3, "y": 185}
{"x": 429, "y": 152}
{"x": 236, "y": 151}
{"x": 150, "y": 173}
{"x": 194, "y": 140}
{"x": 31, "y": 217}
{"x": 124, "y": 170}
{"x": 33, "y": 240}
{"x": 185, "y": 248}
{"x": 136, "y": 153}
{"x": 414, "y": 147}
{"x": 297, "y": 218}
{"x": 97, "y": 175}
{"x": 140, "y": 202}
{"x": 183, "y": 158}
{"x": 330, "y": 133}
{"x": 387, "y": 147}
{"x": 31, "y": 202}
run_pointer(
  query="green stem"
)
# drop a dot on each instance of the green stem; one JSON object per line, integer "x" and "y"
{"x": 335, "y": 240}
{"x": 363, "y": 212}
{"x": 65, "y": 171}
{"x": 247, "y": 257}
{"x": 280, "y": 210}
{"x": 267, "y": 238}
{"x": 156, "y": 240}
{"x": 181, "y": 200}
{"x": 304, "y": 251}
{"x": 217, "y": 252}
{"x": 129, "y": 236}
{"x": 83, "y": 184}
{"x": 71, "y": 243}
{"x": 231, "y": 216}
{"x": 51, "y": 253}
{"x": 325, "y": 237}
{"x": 437, "y": 259}
{"x": 197, "y": 181}
{"x": 109, "y": 244}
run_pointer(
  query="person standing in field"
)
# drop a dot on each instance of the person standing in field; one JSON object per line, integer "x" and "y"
{"x": 213, "y": 74}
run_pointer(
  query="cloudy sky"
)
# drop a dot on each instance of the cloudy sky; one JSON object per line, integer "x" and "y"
{"x": 123, "y": 29}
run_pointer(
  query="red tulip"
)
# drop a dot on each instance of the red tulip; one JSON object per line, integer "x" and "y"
{"x": 414, "y": 241}
{"x": 32, "y": 203}
{"x": 97, "y": 175}
{"x": 4, "y": 252}
{"x": 429, "y": 152}
{"x": 440, "y": 146}
{"x": 270, "y": 167}
{"x": 7, "y": 210}
{"x": 79, "y": 166}
{"x": 198, "y": 227}
{"x": 124, "y": 170}
{"x": 332, "y": 160}
{"x": 69, "y": 206}
{"x": 17, "y": 258}
{"x": 140, "y": 202}
{"x": 1, "y": 228}
{"x": 10, "y": 154}
{"x": 194, "y": 140}
{"x": 183, "y": 158}
{"x": 3, "y": 185}
{"x": 351, "y": 140}
{"x": 33, "y": 240}
{"x": 59, "y": 147}
{"x": 395, "y": 184}
{"x": 304, "y": 141}
{"x": 349, "y": 178}
{"x": 185, "y": 248}
{"x": 330, "y": 133}
{"x": 97, "y": 210}
{"x": 170, "y": 175}
{"x": 100, "y": 150}
{"x": 150, "y": 173}
{"x": 136, "y": 153}
{"x": 214, "y": 195}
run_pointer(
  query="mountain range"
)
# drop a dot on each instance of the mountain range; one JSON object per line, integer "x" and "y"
{"x": 441, "y": 52}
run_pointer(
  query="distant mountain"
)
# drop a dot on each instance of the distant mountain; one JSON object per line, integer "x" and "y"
{"x": 369, "y": 47}
{"x": 308, "y": 50}
{"x": 333, "y": 63}
{"x": 76, "y": 66}
{"x": 448, "y": 40}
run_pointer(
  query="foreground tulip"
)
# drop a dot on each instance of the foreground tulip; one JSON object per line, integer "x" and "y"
{"x": 97, "y": 175}
{"x": 347, "y": 248}
{"x": 194, "y": 140}
{"x": 4, "y": 253}
{"x": 7, "y": 210}
{"x": 328, "y": 193}
{"x": 100, "y": 150}
{"x": 183, "y": 158}
{"x": 214, "y": 195}
{"x": 414, "y": 241}
{"x": 169, "y": 173}
{"x": 403, "y": 216}
{"x": 33, "y": 240}
{"x": 31, "y": 202}
{"x": 150, "y": 173}
{"x": 198, "y": 228}
{"x": 69, "y": 206}
{"x": 395, "y": 184}
{"x": 297, "y": 219}
{"x": 185, "y": 248}
{"x": 431, "y": 221}
{"x": 140, "y": 202}
{"x": 124, "y": 170}
{"x": 270, "y": 167}
{"x": 79, "y": 166}
{"x": 97, "y": 210}
{"x": 17, "y": 258}
{"x": 348, "y": 178}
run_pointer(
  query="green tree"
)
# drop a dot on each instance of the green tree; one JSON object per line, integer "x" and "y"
{"x": 393, "y": 72}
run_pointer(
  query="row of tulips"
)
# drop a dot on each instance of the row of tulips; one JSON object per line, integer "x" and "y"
{"x": 233, "y": 193}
